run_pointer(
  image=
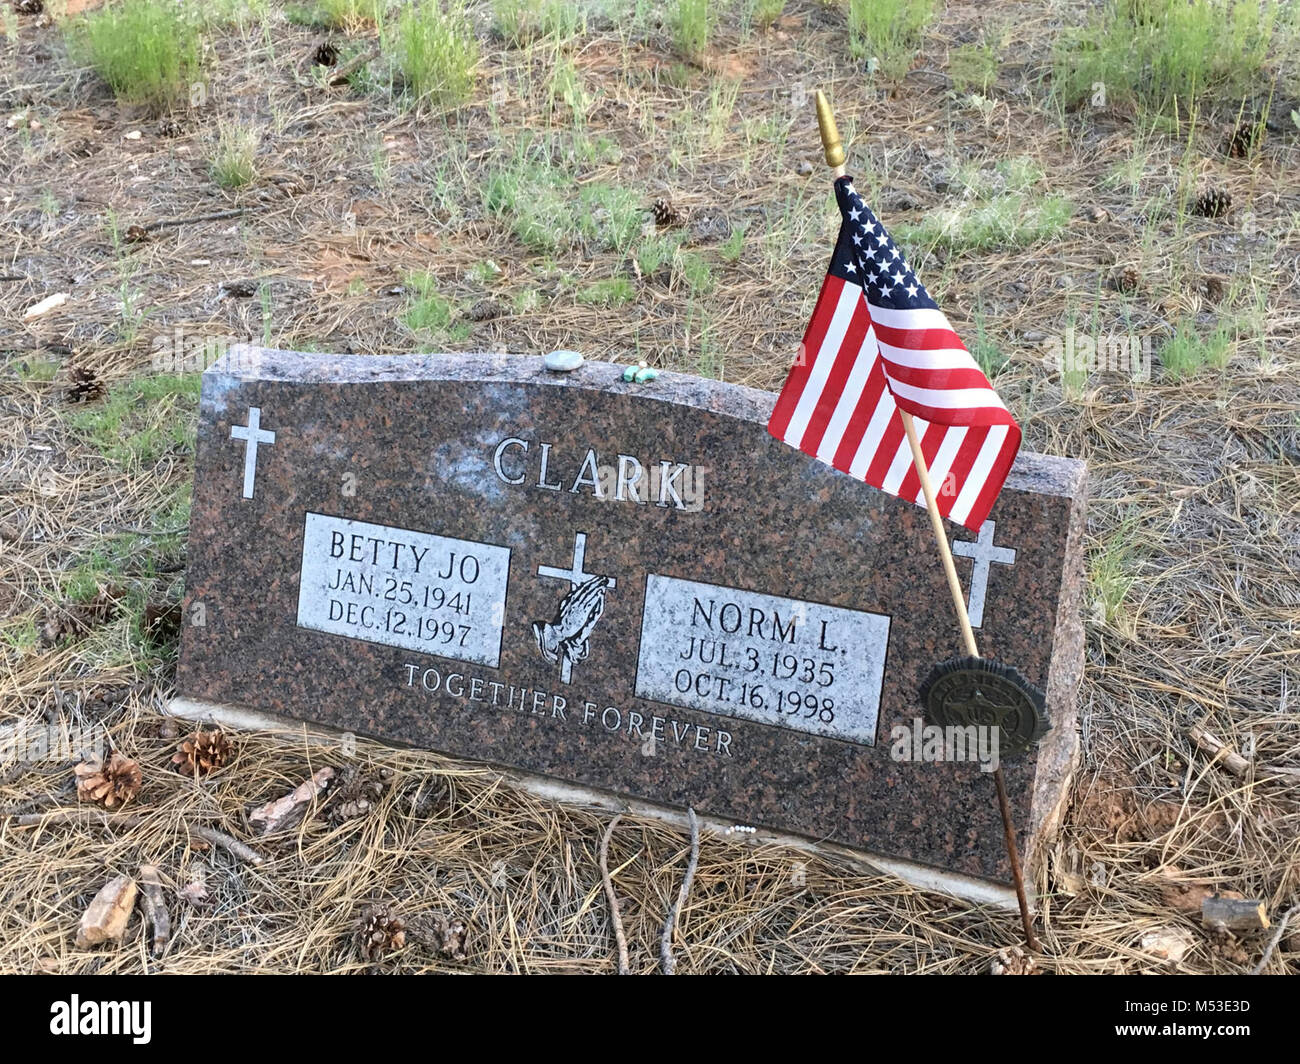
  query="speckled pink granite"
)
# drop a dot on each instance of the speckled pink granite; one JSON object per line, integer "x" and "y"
{"x": 409, "y": 442}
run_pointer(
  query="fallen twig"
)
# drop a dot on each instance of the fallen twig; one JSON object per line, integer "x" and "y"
{"x": 78, "y": 817}
{"x": 1275, "y": 938}
{"x": 619, "y": 937}
{"x": 341, "y": 74}
{"x": 1234, "y": 762}
{"x": 138, "y": 232}
{"x": 666, "y": 943}
{"x": 155, "y": 908}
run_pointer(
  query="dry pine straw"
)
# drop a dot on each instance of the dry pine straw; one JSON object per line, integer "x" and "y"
{"x": 1194, "y": 489}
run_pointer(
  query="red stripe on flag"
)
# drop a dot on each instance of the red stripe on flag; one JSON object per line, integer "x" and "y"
{"x": 930, "y": 443}
{"x": 956, "y": 415}
{"x": 971, "y": 377}
{"x": 845, "y": 357}
{"x": 875, "y": 387}
{"x": 890, "y": 442}
{"x": 919, "y": 339}
{"x": 993, "y": 482}
{"x": 813, "y": 338}
{"x": 961, "y": 467}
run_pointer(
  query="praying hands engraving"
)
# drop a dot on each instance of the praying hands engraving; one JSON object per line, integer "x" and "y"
{"x": 564, "y": 639}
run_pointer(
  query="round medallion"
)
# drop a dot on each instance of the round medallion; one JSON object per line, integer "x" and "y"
{"x": 967, "y": 691}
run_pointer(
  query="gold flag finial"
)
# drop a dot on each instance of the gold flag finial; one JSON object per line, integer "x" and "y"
{"x": 830, "y": 135}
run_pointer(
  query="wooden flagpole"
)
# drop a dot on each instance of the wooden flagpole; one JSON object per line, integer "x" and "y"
{"x": 834, "y": 150}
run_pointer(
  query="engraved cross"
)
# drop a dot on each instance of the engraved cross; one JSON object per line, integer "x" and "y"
{"x": 252, "y": 434}
{"x": 982, "y": 552}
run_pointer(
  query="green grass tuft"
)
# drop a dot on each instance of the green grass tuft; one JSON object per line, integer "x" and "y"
{"x": 973, "y": 67}
{"x": 1166, "y": 55}
{"x": 437, "y": 55}
{"x": 536, "y": 197}
{"x": 889, "y": 31}
{"x": 148, "y": 51}
{"x": 612, "y": 292}
{"x": 690, "y": 22}
{"x": 233, "y": 161}
{"x": 141, "y": 420}
{"x": 427, "y": 309}
{"x": 1187, "y": 352}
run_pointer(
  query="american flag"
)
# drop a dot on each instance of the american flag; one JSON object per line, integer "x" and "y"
{"x": 877, "y": 342}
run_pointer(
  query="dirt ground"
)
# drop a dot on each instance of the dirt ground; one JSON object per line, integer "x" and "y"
{"x": 371, "y": 226}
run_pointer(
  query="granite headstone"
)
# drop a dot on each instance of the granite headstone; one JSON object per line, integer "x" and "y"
{"x": 628, "y": 587}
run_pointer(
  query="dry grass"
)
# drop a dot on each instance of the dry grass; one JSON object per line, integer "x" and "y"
{"x": 1194, "y": 532}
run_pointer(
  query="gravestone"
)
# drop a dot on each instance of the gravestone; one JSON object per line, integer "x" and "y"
{"x": 626, "y": 587}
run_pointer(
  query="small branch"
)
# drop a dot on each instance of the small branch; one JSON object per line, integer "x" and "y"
{"x": 666, "y": 943}
{"x": 341, "y": 74}
{"x": 76, "y": 818}
{"x": 138, "y": 232}
{"x": 619, "y": 937}
{"x": 155, "y": 908}
{"x": 1275, "y": 939}
{"x": 1234, "y": 762}
{"x": 1217, "y": 748}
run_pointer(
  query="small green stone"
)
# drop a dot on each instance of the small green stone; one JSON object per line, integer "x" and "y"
{"x": 646, "y": 374}
{"x": 629, "y": 373}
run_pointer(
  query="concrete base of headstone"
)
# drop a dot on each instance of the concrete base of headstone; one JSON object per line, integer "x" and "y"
{"x": 923, "y": 877}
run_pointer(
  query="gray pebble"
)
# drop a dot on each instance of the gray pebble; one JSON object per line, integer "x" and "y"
{"x": 562, "y": 361}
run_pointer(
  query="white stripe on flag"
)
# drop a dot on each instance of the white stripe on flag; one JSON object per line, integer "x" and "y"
{"x": 884, "y": 413}
{"x": 902, "y": 460}
{"x": 909, "y": 319}
{"x": 823, "y": 362}
{"x": 979, "y": 473}
{"x": 949, "y": 398}
{"x": 939, "y": 358}
{"x": 864, "y": 359}
{"x": 943, "y": 459}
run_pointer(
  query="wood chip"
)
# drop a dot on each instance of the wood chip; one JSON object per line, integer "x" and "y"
{"x": 155, "y": 908}
{"x": 45, "y": 305}
{"x": 287, "y": 811}
{"x": 1226, "y": 912}
{"x": 106, "y": 917}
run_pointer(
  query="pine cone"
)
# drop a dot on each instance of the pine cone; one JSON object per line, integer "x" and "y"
{"x": 169, "y": 127}
{"x": 444, "y": 935}
{"x": 665, "y": 213}
{"x": 358, "y": 792}
{"x": 110, "y": 783}
{"x": 1213, "y": 203}
{"x": 452, "y": 938}
{"x": 379, "y": 933}
{"x": 1214, "y": 287}
{"x": 1244, "y": 139}
{"x": 204, "y": 751}
{"x": 84, "y": 385}
{"x": 77, "y": 618}
{"x": 1127, "y": 280}
{"x": 326, "y": 54}
{"x": 1013, "y": 961}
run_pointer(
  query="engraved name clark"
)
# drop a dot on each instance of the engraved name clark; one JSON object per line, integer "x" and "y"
{"x": 668, "y": 483}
